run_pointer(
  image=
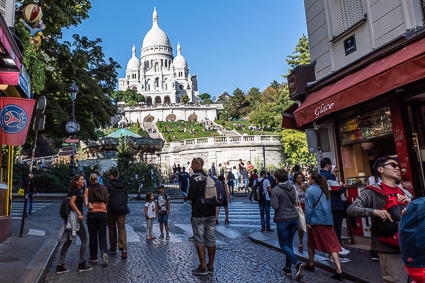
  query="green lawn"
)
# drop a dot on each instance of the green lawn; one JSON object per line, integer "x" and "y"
{"x": 244, "y": 126}
{"x": 180, "y": 130}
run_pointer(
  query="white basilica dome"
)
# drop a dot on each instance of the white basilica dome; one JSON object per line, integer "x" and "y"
{"x": 134, "y": 63}
{"x": 155, "y": 36}
{"x": 179, "y": 61}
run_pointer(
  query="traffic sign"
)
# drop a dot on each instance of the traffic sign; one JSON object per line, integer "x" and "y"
{"x": 72, "y": 140}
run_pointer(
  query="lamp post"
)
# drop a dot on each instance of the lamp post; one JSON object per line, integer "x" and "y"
{"x": 72, "y": 127}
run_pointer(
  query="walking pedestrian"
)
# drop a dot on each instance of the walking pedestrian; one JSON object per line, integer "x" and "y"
{"x": 117, "y": 213}
{"x": 96, "y": 197}
{"x": 225, "y": 204}
{"x": 184, "y": 182}
{"x": 283, "y": 198}
{"x": 163, "y": 204}
{"x": 28, "y": 184}
{"x": 203, "y": 219}
{"x": 231, "y": 183}
{"x": 301, "y": 187}
{"x": 245, "y": 179}
{"x": 318, "y": 216}
{"x": 150, "y": 214}
{"x": 75, "y": 221}
{"x": 265, "y": 205}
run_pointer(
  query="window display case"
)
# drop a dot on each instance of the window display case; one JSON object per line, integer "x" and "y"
{"x": 366, "y": 126}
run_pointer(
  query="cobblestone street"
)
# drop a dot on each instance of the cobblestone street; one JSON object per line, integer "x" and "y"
{"x": 237, "y": 259}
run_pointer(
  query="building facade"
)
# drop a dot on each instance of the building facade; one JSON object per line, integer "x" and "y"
{"x": 159, "y": 76}
{"x": 362, "y": 97}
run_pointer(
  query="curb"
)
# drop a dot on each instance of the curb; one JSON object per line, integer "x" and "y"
{"x": 36, "y": 270}
{"x": 303, "y": 258}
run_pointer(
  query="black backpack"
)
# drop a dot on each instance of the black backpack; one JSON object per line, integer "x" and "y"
{"x": 259, "y": 193}
{"x": 65, "y": 208}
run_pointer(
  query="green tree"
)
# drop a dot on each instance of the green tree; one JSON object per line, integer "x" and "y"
{"x": 185, "y": 99}
{"x": 56, "y": 62}
{"x": 205, "y": 98}
{"x": 295, "y": 146}
{"x": 129, "y": 96}
{"x": 300, "y": 56}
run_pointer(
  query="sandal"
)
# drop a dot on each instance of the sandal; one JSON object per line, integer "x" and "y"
{"x": 300, "y": 248}
{"x": 148, "y": 238}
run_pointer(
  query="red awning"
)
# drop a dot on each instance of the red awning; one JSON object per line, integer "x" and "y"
{"x": 9, "y": 78}
{"x": 400, "y": 68}
{"x": 288, "y": 119}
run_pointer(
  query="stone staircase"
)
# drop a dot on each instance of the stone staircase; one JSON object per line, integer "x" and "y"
{"x": 152, "y": 130}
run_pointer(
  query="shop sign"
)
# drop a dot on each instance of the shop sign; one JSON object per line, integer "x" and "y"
{"x": 323, "y": 108}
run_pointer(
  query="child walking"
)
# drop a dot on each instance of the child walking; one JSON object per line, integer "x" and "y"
{"x": 150, "y": 214}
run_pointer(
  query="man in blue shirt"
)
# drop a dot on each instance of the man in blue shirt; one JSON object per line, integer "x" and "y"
{"x": 184, "y": 182}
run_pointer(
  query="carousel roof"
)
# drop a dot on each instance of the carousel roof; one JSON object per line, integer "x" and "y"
{"x": 111, "y": 142}
{"x": 123, "y": 133}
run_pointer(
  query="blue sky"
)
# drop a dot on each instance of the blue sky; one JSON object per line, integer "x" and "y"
{"x": 228, "y": 44}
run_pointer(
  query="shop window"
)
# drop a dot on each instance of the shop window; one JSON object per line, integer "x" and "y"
{"x": 366, "y": 126}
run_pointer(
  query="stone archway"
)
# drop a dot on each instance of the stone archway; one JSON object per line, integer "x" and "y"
{"x": 149, "y": 100}
{"x": 171, "y": 118}
{"x": 149, "y": 118}
{"x": 192, "y": 117}
{"x": 167, "y": 100}
{"x": 157, "y": 100}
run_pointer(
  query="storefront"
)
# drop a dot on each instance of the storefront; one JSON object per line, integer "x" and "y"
{"x": 374, "y": 111}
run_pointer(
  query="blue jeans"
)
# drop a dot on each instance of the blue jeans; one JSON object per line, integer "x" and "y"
{"x": 264, "y": 213}
{"x": 285, "y": 234}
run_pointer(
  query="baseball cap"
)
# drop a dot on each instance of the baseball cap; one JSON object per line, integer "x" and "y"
{"x": 161, "y": 186}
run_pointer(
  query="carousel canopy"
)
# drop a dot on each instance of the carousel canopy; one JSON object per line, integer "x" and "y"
{"x": 123, "y": 133}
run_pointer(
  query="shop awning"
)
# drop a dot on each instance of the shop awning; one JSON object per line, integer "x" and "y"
{"x": 397, "y": 69}
{"x": 9, "y": 78}
{"x": 288, "y": 119}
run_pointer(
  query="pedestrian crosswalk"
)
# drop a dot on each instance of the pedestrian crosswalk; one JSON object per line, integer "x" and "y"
{"x": 241, "y": 215}
{"x": 18, "y": 208}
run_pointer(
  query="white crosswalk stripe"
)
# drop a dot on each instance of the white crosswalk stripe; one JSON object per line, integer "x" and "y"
{"x": 18, "y": 208}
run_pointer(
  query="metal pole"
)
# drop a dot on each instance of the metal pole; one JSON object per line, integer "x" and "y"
{"x": 264, "y": 157}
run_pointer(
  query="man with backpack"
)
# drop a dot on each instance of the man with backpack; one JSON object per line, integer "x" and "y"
{"x": 262, "y": 190}
{"x": 372, "y": 203}
{"x": 203, "y": 219}
{"x": 184, "y": 182}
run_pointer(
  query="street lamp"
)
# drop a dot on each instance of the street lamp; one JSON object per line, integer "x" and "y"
{"x": 72, "y": 127}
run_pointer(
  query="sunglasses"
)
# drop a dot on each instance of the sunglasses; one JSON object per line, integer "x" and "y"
{"x": 392, "y": 164}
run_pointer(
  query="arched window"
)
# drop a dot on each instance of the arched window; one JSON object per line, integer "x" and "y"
{"x": 156, "y": 82}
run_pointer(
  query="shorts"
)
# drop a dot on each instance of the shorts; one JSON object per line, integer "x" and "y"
{"x": 203, "y": 231}
{"x": 163, "y": 218}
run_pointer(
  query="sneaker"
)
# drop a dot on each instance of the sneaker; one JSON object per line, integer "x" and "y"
{"x": 124, "y": 254}
{"x": 374, "y": 255}
{"x": 341, "y": 259}
{"x": 83, "y": 267}
{"x": 338, "y": 276}
{"x": 167, "y": 238}
{"x": 300, "y": 268}
{"x": 309, "y": 267}
{"x": 263, "y": 230}
{"x": 112, "y": 251}
{"x": 200, "y": 271}
{"x": 344, "y": 251}
{"x": 61, "y": 269}
{"x": 287, "y": 271}
{"x": 161, "y": 236}
{"x": 92, "y": 259}
{"x": 105, "y": 260}
{"x": 269, "y": 230}
{"x": 210, "y": 269}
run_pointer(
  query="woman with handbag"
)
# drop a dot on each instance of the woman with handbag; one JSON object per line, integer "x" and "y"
{"x": 318, "y": 216}
{"x": 301, "y": 187}
{"x": 283, "y": 198}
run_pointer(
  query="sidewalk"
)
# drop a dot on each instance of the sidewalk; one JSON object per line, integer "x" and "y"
{"x": 360, "y": 269}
